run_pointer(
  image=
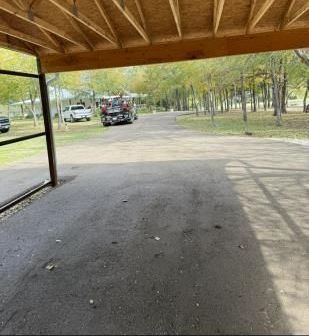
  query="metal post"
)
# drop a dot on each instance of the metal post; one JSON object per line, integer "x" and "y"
{"x": 48, "y": 127}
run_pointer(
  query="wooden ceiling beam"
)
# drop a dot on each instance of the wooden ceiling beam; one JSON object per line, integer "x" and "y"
{"x": 141, "y": 14}
{"x": 35, "y": 20}
{"x": 7, "y": 44}
{"x": 88, "y": 44}
{"x": 260, "y": 13}
{"x": 291, "y": 18}
{"x": 130, "y": 17}
{"x": 218, "y": 9}
{"x": 52, "y": 39}
{"x": 287, "y": 13}
{"x": 252, "y": 8}
{"x": 5, "y": 29}
{"x": 65, "y": 7}
{"x": 34, "y": 3}
{"x": 106, "y": 18}
{"x": 174, "y": 4}
{"x": 178, "y": 51}
{"x": 19, "y": 4}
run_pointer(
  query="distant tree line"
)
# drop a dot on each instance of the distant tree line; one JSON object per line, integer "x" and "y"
{"x": 261, "y": 82}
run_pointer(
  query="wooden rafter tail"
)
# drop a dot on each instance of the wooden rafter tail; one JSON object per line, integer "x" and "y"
{"x": 287, "y": 13}
{"x": 35, "y": 3}
{"x": 32, "y": 47}
{"x": 107, "y": 20}
{"x": 252, "y": 8}
{"x": 218, "y": 10}
{"x": 65, "y": 7}
{"x": 88, "y": 44}
{"x": 19, "y": 4}
{"x": 130, "y": 17}
{"x": 13, "y": 46}
{"x": 141, "y": 14}
{"x": 52, "y": 39}
{"x": 5, "y": 29}
{"x": 34, "y": 20}
{"x": 296, "y": 15}
{"x": 174, "y": 4}
{"x": 260, "y": 13}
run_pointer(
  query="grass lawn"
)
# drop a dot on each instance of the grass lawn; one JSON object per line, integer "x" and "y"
{"x": 261, "y": 124}
{"x": 77, "y": 131}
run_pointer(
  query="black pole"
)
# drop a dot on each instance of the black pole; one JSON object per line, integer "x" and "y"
{"x": 48, "y": 127}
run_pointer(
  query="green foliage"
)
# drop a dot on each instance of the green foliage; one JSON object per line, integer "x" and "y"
{"x": 182, "y": 85}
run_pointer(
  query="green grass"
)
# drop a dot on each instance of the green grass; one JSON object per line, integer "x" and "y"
{"x": 261, "y": 124}
{"x": 75, "y": 132}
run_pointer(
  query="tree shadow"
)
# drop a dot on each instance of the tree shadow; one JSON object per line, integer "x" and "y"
{"x": 211, "y": 271}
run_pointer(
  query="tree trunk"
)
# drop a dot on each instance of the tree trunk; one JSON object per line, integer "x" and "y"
{"x": 254, "y": 94}
{"x": 178, "y": 100}
{"x": 22, "y": 111}
{"x": 32, "y": 110}
{"x": 212, "y": 107}
{"x": 276, "y": 94}
{"x": 264, "y": 95}
{"x": 269, "y": 100}
{"x": 221, "y": 102}
{"x": 194, "y": 100}
{"x": 284, "y": 92}
{"x": 227, "y": 98}
{"x": 244, "y": 103}
{"x": 305, "y": 97}
{"x": 235, "y": 97}
{"x": 94, "y": 106}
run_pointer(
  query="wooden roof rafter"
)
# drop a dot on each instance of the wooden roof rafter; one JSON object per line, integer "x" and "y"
{"x": 31, "y": 47}
{"x": 218, "y": 10}
{"x": 130, "y": 17}
{"x": 254, "y": 20}
{"x": 6, "y": 29}
{"x": 106, "y": 18}
{"x": 88, "y": 43}
{"x": 174, "y": 4}
{"x": 82, "y": 34}
{"x": 19, "y": 4}
{"x": 291, "y": 18}
{"x": 141, "y": 14}
{"x": 252, "y": 8}
{"x": 34, "y": 3}
{"x": 9, "y": 44}
{"x": 52, "y": 39}
{"x": 287, "y": 13}
{"x": 65, "y": 7}
{"x": 47, "y": 34}
{"x": 35, "y": 20}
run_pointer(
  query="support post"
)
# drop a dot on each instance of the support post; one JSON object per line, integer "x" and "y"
{"x": 48, "y": 127}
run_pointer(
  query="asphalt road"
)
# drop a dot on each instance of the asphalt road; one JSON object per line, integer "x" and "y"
{"x": 168, "y": 231}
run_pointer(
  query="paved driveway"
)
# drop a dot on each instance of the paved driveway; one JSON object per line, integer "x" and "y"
{"x": 168, "y": 231}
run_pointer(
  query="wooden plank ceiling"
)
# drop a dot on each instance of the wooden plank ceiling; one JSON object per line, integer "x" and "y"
{"x": 86, "y": 34}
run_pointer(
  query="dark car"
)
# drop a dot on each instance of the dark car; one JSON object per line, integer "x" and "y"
{"x": 4, "y": 124}
{"x": 116, "y": 116}
{"x": 117, "y": 112}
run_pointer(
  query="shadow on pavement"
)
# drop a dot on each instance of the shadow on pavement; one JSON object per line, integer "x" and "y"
{"x": 231, "y": 257}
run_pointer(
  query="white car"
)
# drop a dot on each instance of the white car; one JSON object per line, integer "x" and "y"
{"x": 76, "y": 112}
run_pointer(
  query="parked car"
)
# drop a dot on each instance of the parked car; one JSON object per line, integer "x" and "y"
{"x": 76, "y": 112}
{"x": 4, "y": 124}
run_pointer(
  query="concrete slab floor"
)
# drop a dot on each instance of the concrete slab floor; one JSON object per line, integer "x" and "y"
{"x": 232, "y": 217}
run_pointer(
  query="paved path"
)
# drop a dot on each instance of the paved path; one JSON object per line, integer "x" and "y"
{"x": 232, "y": 217}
